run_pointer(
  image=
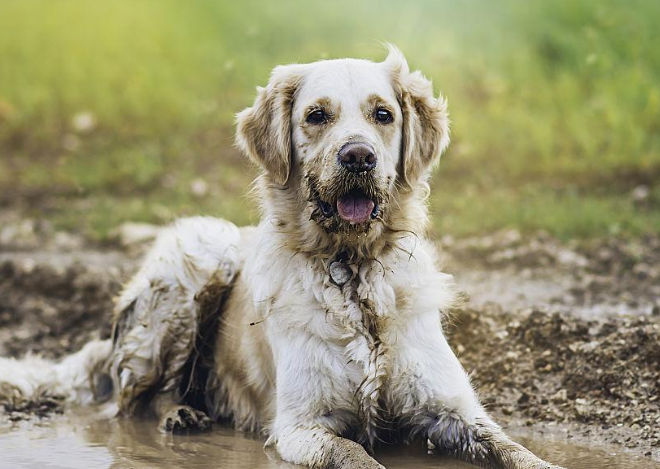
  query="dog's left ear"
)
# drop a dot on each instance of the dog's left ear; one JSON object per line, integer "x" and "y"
{"x": 263, "y": 131}
{"x": 425, "y": 119}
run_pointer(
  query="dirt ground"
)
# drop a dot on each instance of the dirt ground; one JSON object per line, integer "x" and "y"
{"x": 561, "y": 337}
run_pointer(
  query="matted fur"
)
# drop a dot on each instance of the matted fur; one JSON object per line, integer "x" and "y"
{"x": 251, "y": 319}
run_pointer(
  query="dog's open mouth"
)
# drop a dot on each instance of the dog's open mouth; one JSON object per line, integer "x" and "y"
{"x": 354, "y": 207}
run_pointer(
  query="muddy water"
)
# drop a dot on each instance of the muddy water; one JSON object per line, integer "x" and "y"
{"x": 90, "y": 442}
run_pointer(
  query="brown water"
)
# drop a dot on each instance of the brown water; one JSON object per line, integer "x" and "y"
{"x": 88, "y": 443}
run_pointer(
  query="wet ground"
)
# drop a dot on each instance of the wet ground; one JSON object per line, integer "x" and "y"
{"x": 86, "y": 441}
{"x": 562, "y": 340}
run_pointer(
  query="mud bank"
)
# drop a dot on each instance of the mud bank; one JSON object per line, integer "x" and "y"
{"x": 558, "y": 337}
{"x": 598, "y": 382}
{"x": 563, "y": 337}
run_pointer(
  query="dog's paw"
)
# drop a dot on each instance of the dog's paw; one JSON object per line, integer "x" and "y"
{"x": 183, "y": 418}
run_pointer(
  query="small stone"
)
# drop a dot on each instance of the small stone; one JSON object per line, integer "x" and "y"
{"x": 560, "y": 396}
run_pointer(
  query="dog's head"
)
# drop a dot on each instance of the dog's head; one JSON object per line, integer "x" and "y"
{"x": 346, "y": 141}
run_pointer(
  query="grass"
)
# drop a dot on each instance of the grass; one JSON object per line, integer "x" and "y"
{"x": 555, "y": 105}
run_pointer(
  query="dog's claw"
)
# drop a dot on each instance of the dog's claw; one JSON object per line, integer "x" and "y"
{"x": 184, "y": 418}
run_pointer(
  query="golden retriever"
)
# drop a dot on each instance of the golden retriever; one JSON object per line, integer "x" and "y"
{"x": 322, "y": 327}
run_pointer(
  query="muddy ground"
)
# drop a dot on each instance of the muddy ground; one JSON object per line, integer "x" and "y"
{"x": 561, "y": 337}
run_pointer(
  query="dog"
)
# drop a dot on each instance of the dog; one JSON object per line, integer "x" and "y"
{"x": 322, "y": 327}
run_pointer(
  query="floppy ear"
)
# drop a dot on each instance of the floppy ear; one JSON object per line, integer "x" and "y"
{"x": 263, "y": 131}
{"x": 425, "y": 119}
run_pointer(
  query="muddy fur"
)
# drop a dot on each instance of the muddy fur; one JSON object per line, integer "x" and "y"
{"x": 251, "y": 320}
{"x": 199, "y": 367}
{"x": 162, "y": 314}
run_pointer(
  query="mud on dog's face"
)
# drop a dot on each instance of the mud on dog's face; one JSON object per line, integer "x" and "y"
{"x": 345, "y": 134}
{"x": 346, "y": 139}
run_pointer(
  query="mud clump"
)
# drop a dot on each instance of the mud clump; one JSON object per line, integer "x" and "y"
{"x": 551, "y": 368}
{"x": 44, "y": 407}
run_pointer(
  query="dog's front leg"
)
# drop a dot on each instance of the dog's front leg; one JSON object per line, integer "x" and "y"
{"x": 313, "y": 403}
{"x": 319, "y": 448}
{"x": 433, "y": 392}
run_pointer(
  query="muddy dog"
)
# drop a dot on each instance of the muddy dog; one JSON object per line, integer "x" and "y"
{"x": 322, "y": 327}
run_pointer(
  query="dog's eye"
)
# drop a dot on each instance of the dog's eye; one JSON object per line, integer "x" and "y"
{"x": 317, "y": 117}
{"x": 383, "y": 116}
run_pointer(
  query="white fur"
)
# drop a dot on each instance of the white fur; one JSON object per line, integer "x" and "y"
{"x": 303, "y": 359}
{"x": 159, "y": 303}
{"x": 71, "y": 378}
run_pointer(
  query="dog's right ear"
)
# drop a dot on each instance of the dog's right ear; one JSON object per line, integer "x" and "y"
{"x": 263, "y": 131}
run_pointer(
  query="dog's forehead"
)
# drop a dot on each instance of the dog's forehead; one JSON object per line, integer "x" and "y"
{"x": 345, "y": 80}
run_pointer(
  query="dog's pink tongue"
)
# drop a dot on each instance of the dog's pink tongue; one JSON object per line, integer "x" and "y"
{"x": 355, "y": 208}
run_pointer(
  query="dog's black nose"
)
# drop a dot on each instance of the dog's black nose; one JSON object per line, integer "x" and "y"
{"x": 357, "y": 157}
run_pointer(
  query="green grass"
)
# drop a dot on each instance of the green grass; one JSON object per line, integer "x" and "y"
{"x": 567, "y": 213}
{"x": 555, "y": 105}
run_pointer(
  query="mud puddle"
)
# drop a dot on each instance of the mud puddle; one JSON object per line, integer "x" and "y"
{"x": 86, "y": 441}
{"x": 555, "y": 335}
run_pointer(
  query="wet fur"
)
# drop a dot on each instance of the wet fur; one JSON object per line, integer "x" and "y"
{"x": 248, "y": 326}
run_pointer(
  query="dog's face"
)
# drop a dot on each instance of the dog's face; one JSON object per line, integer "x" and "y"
{"x": 346, "y": 137}
{"x": 349, "y": 137}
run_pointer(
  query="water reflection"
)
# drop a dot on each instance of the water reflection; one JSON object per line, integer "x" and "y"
{"x": 88, "y": 441}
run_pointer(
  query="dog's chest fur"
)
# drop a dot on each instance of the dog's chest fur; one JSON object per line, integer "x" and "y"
{"x": 359, "y": 312}
{"x": 366, "y": 324}
{"x": 353, "y": 346}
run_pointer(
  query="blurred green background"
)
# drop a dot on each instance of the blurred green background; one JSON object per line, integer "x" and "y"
{"x": 123, "y": 110}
